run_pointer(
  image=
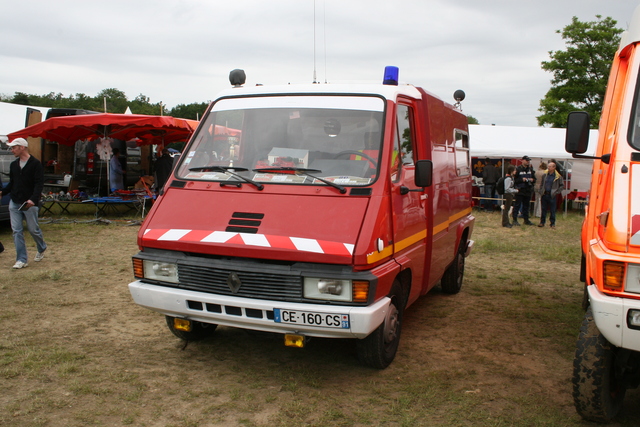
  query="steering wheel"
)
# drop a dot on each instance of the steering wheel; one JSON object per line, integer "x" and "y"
{"x": 373, "y": 161}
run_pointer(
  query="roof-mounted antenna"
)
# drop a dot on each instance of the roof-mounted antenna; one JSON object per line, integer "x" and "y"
{"x": 324, "y": 34}
{"x": 459, "y": 97}
{"x": 315, "y": 80}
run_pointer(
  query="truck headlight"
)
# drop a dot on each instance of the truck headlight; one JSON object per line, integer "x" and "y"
{"x": 161, "y": 271}
{"x": 632, "y": 282}
{"x": 327, "y": 289}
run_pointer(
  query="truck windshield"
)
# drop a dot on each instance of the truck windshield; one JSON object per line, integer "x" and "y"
{"x": 634, "y": 127}
{"x": 306, "y": 140}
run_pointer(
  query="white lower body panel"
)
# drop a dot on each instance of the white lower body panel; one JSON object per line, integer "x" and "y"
{"x": 252, "y": 313}
{"x": 610, "y": 315}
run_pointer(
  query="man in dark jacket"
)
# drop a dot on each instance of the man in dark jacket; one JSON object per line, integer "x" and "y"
{"x": 26, "y": 180}
{"x": 164, "y": 165}
{"x": 524, "y": 179}
{"x": 551, "y": 186}
{"x": 490, "y": 175}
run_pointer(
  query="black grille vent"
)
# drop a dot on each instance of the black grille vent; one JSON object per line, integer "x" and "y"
{"x": 254, "y": 284}
{"x": 360, "y": 192}
{"x": 244, "y": 222}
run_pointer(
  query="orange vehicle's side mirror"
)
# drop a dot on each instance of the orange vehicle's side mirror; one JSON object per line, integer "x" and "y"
{"x": 577, "y": 138}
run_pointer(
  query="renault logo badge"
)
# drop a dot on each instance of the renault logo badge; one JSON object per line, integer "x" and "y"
{"x": 234, "y": 283}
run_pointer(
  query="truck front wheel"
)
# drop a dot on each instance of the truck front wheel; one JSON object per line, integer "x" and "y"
{"x": 379, "y": 349}
{"x": 451, "y": 282}
{"x": 597, "y": 391}
{"x": 199, "y": 330}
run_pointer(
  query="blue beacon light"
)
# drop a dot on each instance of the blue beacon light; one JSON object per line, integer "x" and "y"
{"x": 391, "y": 75}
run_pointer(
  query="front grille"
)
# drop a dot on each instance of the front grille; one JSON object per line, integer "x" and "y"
{"x": 254, "y": 284}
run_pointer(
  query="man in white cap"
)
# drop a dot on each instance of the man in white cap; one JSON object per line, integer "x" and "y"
{"x": 26, "y": 180}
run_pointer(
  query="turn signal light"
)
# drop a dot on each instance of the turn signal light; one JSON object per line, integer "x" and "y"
{"x": 360, "y": 291}
{"x": 613, "y": 272}
{"x": 138, "y": 269}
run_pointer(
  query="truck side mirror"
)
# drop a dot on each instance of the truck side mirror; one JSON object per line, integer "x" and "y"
{"x": 423, "y": 173}
{"x": 577, "y": 139}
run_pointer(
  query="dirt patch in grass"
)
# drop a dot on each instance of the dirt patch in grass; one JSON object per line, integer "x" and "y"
{"x": 76, "y": 351}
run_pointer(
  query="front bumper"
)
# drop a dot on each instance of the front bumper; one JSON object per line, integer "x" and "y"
{"x": 467, "y": 252}
{"x": 610, "y": 314}
{"x": 254, "y": 314}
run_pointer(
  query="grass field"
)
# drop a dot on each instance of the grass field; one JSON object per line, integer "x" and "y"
{"x": 76, "y": 351}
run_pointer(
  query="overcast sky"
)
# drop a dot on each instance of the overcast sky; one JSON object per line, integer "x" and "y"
{"x": 181, "y": 51}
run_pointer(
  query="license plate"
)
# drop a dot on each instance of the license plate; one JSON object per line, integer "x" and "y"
{"x": 306, "y": 318}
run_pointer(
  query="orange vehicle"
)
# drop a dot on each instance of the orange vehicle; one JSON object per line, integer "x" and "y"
{"x": 311, "y": 211}
{"x": 607, "y": 358}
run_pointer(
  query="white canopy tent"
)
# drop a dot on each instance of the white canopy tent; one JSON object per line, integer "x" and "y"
{"x": 13, "y": 117}
{"x": 541, "y": 144}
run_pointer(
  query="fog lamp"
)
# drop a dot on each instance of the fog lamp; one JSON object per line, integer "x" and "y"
{"x": 633, "y": 319}
{"x": 182, "y": 324}
{"x": 291, "y": 340}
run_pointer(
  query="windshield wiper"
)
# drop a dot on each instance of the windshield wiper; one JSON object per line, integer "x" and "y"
{"x": 303, "y": 171}
{"x": 231, "y": 171}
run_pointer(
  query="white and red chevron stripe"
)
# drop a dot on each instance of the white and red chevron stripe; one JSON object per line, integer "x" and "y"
{"x": 262, "y": 240}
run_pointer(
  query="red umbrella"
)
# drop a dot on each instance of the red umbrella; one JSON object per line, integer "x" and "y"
{"x": 67, "y": 130}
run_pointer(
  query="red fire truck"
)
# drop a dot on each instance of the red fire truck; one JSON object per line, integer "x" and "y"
{"x": 311, "y": 211}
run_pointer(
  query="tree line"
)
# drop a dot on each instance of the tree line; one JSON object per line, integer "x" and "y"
{"x": 116, "y": 101}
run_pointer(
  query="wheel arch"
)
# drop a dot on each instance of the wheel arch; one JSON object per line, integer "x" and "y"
{"x": 405, "y": 278}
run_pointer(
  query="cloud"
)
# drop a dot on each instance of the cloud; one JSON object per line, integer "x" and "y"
{"x": 180, "y": 52}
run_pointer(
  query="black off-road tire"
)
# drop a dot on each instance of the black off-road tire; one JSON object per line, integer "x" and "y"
{"x": 451, "y": 282}
{"x": 597, "y": 394}
{"x": 199, "y": 330}
{"x": 379, "y": 349}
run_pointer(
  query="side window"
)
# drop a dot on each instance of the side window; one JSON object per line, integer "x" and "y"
{"x": 403, "y": 145}
{"x": 463, "y": 160}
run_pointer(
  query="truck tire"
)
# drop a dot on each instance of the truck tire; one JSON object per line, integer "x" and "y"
{"x": 199, "y": 330}
{"x": 452, "y": 279}
{"x": 597, "y": 393}
{"x": 379, "y": 348}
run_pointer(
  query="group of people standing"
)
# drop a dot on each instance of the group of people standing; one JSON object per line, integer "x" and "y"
{"x": 520, "y": 184}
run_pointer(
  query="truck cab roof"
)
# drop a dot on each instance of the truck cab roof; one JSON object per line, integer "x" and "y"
{"x": 386, "y": 91}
